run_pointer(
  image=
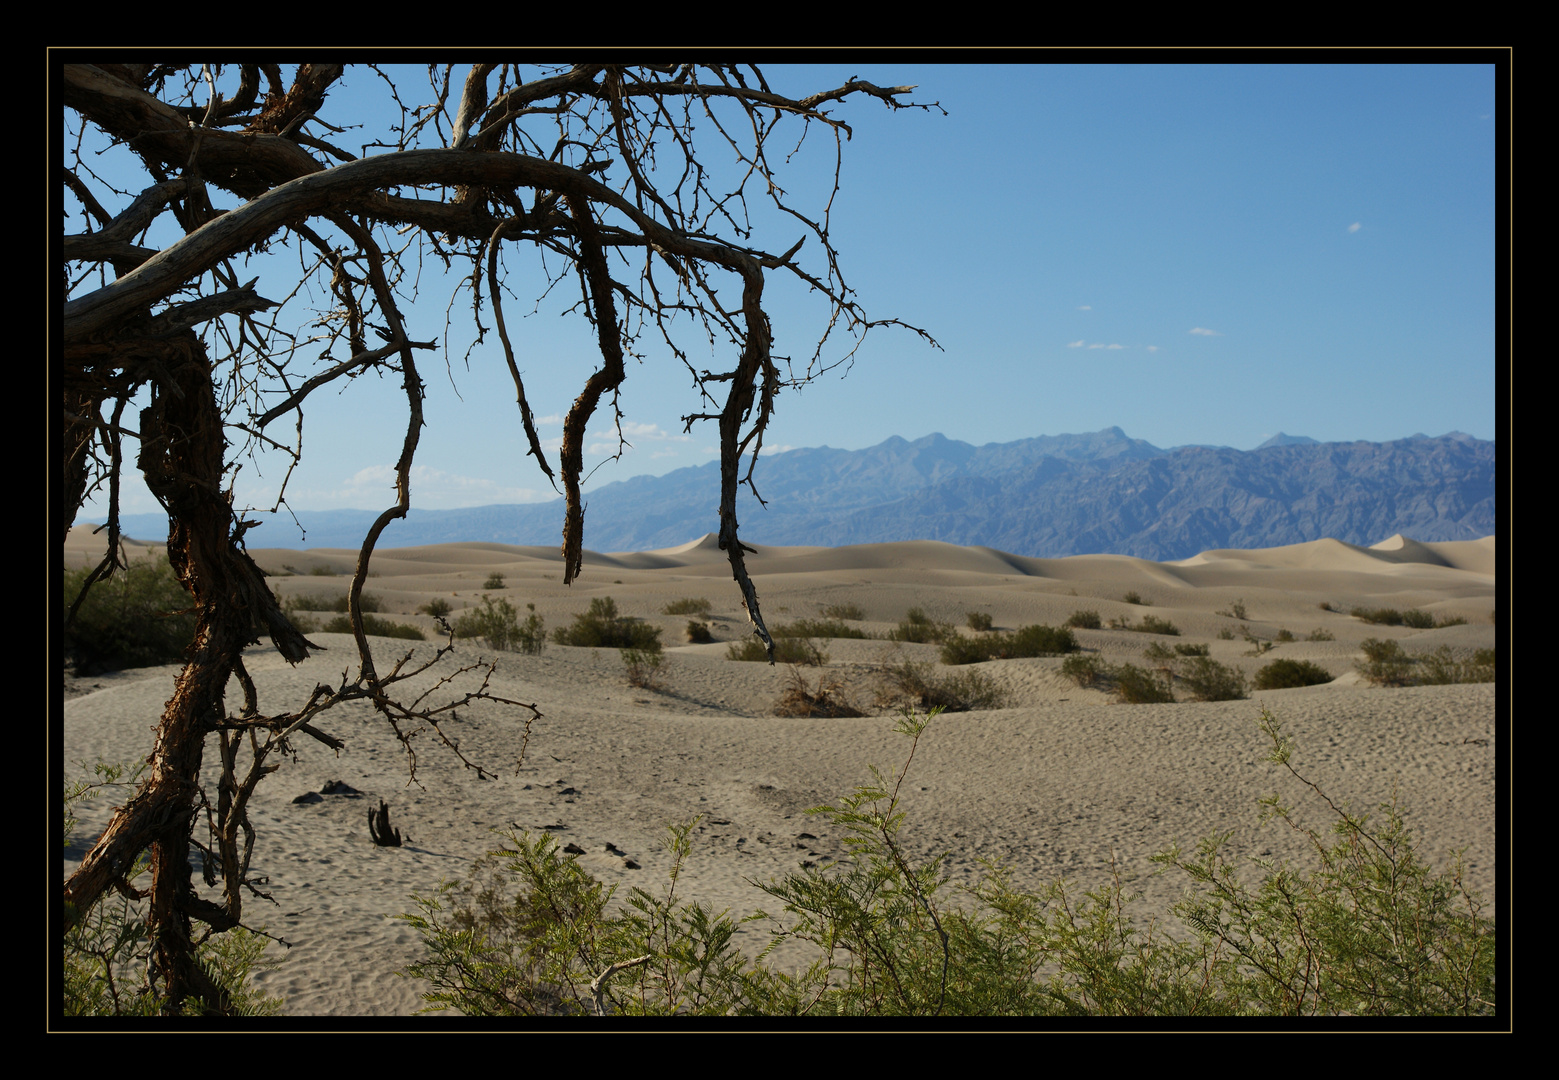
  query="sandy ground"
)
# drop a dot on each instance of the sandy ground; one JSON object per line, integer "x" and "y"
{"x": 1056, "y": 784}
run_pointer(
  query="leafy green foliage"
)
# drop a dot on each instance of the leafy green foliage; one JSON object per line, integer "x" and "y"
{"x": 1285, "y": 674}
{"x": 372, "y": 624}
{"x": 1368, "y": 930}
{"x": 918, "y": 686}
{"x": 920, "y": 628}
{"x": 497, "y": 623}
{"x": 787, "y": 650}
{"x": 843, "y": 611}
{"x": 136, "y": 618}
{"x": 688, "y": 606}
{"x": 603, "y": 628}
{"x": 1026, "y": 641}
{"x": 437, "y": 608}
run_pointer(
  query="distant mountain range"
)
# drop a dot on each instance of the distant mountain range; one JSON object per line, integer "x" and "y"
{"x": 1049, "y": 496}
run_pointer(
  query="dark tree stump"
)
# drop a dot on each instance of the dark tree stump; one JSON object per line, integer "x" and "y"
{"x": 379, "y": 827}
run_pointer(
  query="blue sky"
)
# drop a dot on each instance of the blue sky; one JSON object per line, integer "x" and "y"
{"x": 1197, "y": 254}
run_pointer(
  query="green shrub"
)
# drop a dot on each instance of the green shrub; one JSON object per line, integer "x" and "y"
{"x": 1236, "y": 611}
{"x": 787, "y": 650}
{"x": 1441, "y": 667}
{"x": 1191, "y": 650}
{"x": 979, "y": 620}
{"x": 831, "y": 698}
{"x": 688, "y": 606}
{"x": 367, "y": 601}
{"x": 1084, "y": 620}
{"x": 137, "y": 618}
{"x": 918, "y": 627}
{"x": 1152, "y": 624}
{"x": 1208, "y": 680}
{"x": 1132, "y": 598}
{"x": 1134, "y": 686}
{"x": 323, "y": 570}
{"x": 698, "y": 632}
{"x": 372, "y": 624}
{"x": 1319, "y": 634}
{"x": 918, "y": 686}
{"x": 531, "y": 933}
{"x": 1384, "y": 663}
{"x": 1159, "y": 652}
{"x": 820, "y": 628}
{"x": 436, "y": 608}
{"x": 1413, "y": 618}
{"x": 497, "y": 623}
{"x": 643, "y": 667}
{"x": 494, "y": 581}
{"x": 602, "y": 628}
{"x": 844, "y": 611}
{"x": 1285, "y": 635}
{"x": 1285, "y": 674}
{"x": 1085, "y": 670}
{"x": 1026, "y": 641}
{"x": 1225, "y": 634}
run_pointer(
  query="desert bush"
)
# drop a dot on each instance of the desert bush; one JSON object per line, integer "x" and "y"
{"x": 1319, "y": 634}
{"x": 372, "y": 624}
{"x": 643, "y": 667}
{"x": 1026, "y": 641}
{"x": 979, "y": 620}
{"x": 1191, "y": 650}
{"x": 1412, "y": 618}
{"x": 1285, "y": 635}
{"x": 1134, "y": 686}
{"x": 843, "y": 611}
{"x": 1084, "y": 620}
{"x": 366, "y": 601}
{"x": 1132, "y": 598}
{"x": 494, "y": 581}
{"x": 1085, "y": 670}
{"x": 105, "y": 962}
{"x": 688, "y": 605}
{"x": 1285, "y": 674}
{"x": 918, "y": 627}
{"x": 497, "y": 623}
{"x": 1236, "y": 611}
{"x": 531, "y": 933}
{"x": 698, "y": 632}
{"x": 917, "y": 685}
{"x": 1441, "y": 667}
{"x": 1225, "y": 634}
{"x": 1152, "y": 624}
{"x": 136, "y": 618}
{"x": 1327, "y": 605}
{"x": 830, "y": 698}
{"x": 437, "y": 608}
{"x": 819, "y": 628}
{"x": 322, "y": 571}
{"x": 603, "y": 628}
{"x": 787, "y": 650}
{"x": 1384, "y": 663}
{"x": 1208, "y": 680}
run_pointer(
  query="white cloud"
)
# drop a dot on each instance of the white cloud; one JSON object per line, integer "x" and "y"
{"x": 1152, "y": 348}
{"x": 635, "y": 432}
{"x": 1086, "y": 307}
{"x": 552, "y": 419}
{"x": 1355, "y": 227}
{"x": 1078, "y": 344}
{"x": 1102, "y": 345}
{"x": 776, "y": 449}
{"x": 1202, "y": 330}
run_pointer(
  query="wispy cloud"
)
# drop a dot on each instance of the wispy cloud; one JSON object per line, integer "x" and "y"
{"x": 1355, "y": 227}
{"x": 431, "y": 489}
{"x": 1085, "y": 307}
{"x": 1102, "y": 345}
{"x": 1205, "y": 332}
{"x": 1078, "y": 344}
{"x": 1152, "y": 348}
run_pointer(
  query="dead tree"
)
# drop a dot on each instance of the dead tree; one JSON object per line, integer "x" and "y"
{"x": 607, "y": 172}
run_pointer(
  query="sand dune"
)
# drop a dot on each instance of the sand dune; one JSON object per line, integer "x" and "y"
{"x": 1054, "y": 784}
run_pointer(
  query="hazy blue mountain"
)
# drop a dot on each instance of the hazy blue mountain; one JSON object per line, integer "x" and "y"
{"x": 1048, "y": 496}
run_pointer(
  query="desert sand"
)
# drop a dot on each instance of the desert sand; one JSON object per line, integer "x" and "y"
{"x": 1057, "y": 784}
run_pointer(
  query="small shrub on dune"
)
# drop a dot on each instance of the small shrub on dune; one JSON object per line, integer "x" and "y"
{"x": 843, "y": 611}
{"x": 1152, "y": 624}
{"x": 1411, "y": 618}
{"x": 918, "y": 627}
{"x": 1208, "y": 680}
{"x": 1085, "y": 671}
{"x": 1441, "y": 667}
{"x": 1132, "y": 598}
{"x": 1288, "y": 674}
{"x": 1134, "y": 686}
{"x": 918, "y": 685}
{"x": 1026, "y": 641}
{"x": 376, "y": 627}
{"x": 643, "y": 667}
{"x": 1319, "y": 634}
{"x": 136, "y": 618}
{"x": 1084, "y": 620}
{"x": 603, "y": 628}
{"x": 819, "y": 628}
{"x": 698, "y": 632}
{"x": 688, "y": 605}
{"x": 979, "y": 620}
{"x": 1384, "y": 663}
{"x": 830, "y": 698}
{"x": 303, "y": 602}
{"x": 787, "y": 650}
{"x": 437, "y": 608}
{"x": 494, "y": 581}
